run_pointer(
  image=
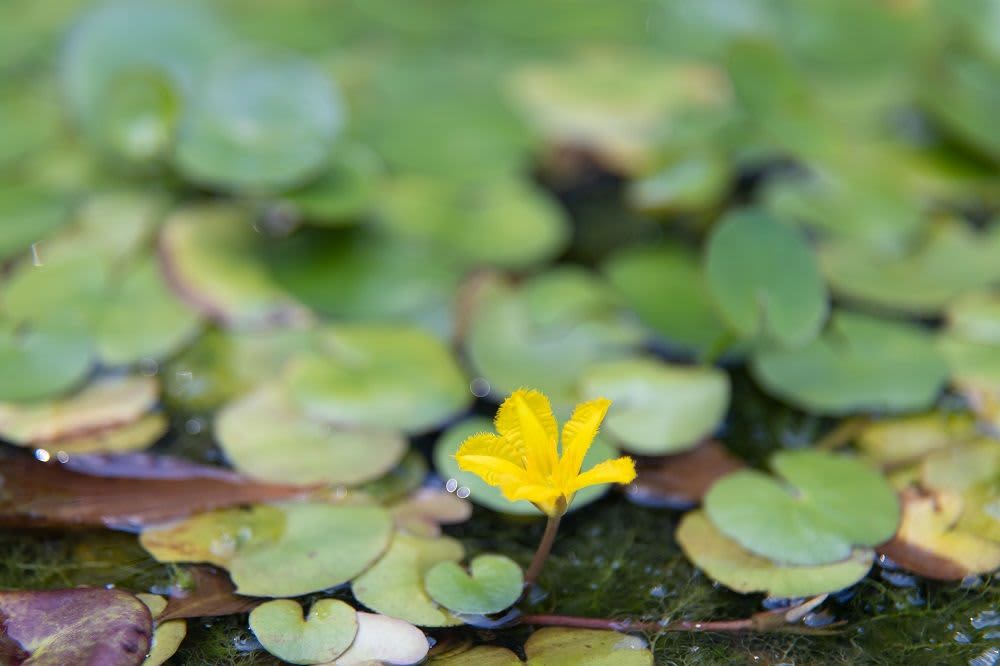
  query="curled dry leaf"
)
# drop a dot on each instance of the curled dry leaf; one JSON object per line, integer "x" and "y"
{"x": 38, "y": 494}
{"x": 210, "y": 594}
{"x": 681, "y": 480}
{"x": 426, "y": 510}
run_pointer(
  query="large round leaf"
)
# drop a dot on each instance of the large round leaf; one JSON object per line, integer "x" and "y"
{"x": 282, "y": 550}
{"x": 40, "y": 364}
{"x": 859, "y": 363}
{"x": 727, "y": 562}
{"x": 265, "y": 436}
{"x": 486, "y": 495}
{"x": 379, "y": 377}
{"x": 658, "y": 408}
{"x": 258, "y": 122}
{"x": 828, "y": 506}
{"x": 765, "y": 279}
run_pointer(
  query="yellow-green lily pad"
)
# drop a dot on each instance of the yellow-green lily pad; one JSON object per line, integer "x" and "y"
{"x": 280, "y": 550}
{"x": 972, "y": 471}
{"x": 319, "y": 638}
{"x": 167, "y": 636}
{"x": 266, "y": 436}
{"x": 479, "y": 655}
{"x": 727, "y": 562}
{"x": 394, "y": 586}
{"x": 975, "y": 317}
{"x": 493, "y": 583}
{"x": 658, "y": 408}
{"x": 907, "y": 439}
{"x": 563, "y": 646}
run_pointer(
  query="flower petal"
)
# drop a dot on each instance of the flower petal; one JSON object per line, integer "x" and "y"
{"x": 494, "y": 471}
{"x": 577, "y": 435}
{"x": 535, "y": 493}
{"x": 525, "y": 420}
{"x": 488, "y": 444}
{"x": 490, "y": 457}
{"x": 619, "y": 470}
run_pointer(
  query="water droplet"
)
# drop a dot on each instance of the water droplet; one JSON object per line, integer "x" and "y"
{"x": 451, "y": 486}
{"x": 36, "y": 257}
{"x": 961, "y": 638}
{"x": 149, "y": 367}
{"x": 62, "y": 457}
{"x": 194, "y": 426}
{"x": 658, "y": 591}
{"x": 480, "y": 387}
{"x": 42, "y": 455}
{"x": 463, "y": 492}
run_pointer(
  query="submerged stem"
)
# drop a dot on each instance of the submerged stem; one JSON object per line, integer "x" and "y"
{"x": 544, "y": 548}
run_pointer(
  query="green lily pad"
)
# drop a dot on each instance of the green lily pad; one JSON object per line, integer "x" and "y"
{"x": 524, "y": 226}
{"x": 29, "y": 215}
{"x": 265, "y": 436}
{"x": 379, "y": 377}
{"x": 485, "y": 495}
{"x": 345, "y": 192}
{"x": 765, "y": 279}
{"x": 281, "y": 550}
{"x": 210, "y": 258}
{"x": 859, "y": 363}
{"x": 828, "y": 506}
{"x": 384, "y": 640}
{"x": 424, "y": 511}
{"x": 102, "y": 404}
{"x": 478, "y": 655}
{"x": 949, "y": 261}
{"x": 493, "y": 583}
{"x": 76, "y": 626}
{"x": 666, "y": 287}
{"x": 562, "y": 646}
{"x": 658, "y": 408}
{"x": 975, "y": 317}
{"x": 394, "y": 586}
{"x": 167, "y": 636}
{"x": 545, "y": 332}
{"x": 40, "y": 364}
{"x": 319, "y": 638}
{"x": 690, "y": 185}
{"x": 906, "y": 439}
{"x": 960, "y": 95}
{"x": 404, "y": 479}
{"x": 258, "y": 122}
{"x": 727, "y": 562}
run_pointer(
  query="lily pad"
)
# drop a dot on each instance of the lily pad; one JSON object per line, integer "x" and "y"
{"x": 908, "y": 439}
{"x": 29, "y": 214}
{"x": 394, "y": 586}
{"x": 524, "y": 226}
{"x": 258, "y": 122}
{"x": 738, "y": 569}
{"x": 39, "y": 364}
{"x": 972, "y": 471}
{"x": 379, "y": 377}
{"x": 860, "y": 363}
{"x": 666, "y": 287}
{"x": 479, "y": 655}
{"x": 345, "y": 192}
{"x": 167, "y": 636}
{"x": 426, "y": 509}
{"x": 493, "y": 583}
{"x": 545, "y": 332}
{"x": 384, "y": 640}
{"x": 83, "y": 626}
{"x": 658, "y": 408}
{"x": 561, "y": 646}
{"x": 319, "y": 638}
{"x": 265, "y": 436}
{"x": 950, "y": 260}
{"x": 765, "y": 280}
{"x": 830, "y": 505}
{"x": 975, "y": 317}
{"x": 125, "y": 438}
{"x": 280, "y": 550}
{"x": 208, "y": 254}
{"x": 485, "y": 495}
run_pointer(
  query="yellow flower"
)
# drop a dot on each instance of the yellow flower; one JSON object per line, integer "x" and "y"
{"x": 523, "y": 460}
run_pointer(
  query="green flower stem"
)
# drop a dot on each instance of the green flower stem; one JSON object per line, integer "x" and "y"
{"x": 544, "y": 548}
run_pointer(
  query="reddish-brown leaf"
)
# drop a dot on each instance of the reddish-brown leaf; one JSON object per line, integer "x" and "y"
{"x": 681, "y": 480}
{"x": 211, "y": 595}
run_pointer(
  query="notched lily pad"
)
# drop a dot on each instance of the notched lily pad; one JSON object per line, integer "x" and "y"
{"x": 658, "y": 408}
{"x": 561, "y": 646}
{"x": 831, "y": 505}
{"x": 493, "y": 583}
{"x": 321, "y": 637}
{"x": 735, "y": 567}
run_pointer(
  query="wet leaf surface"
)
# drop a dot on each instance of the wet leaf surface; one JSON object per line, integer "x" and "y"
{"x": 492, "y": 584}
{"x": 319, "y": 637}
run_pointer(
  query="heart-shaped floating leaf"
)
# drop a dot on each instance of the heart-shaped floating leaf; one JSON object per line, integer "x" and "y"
{"x": 666, "y": 287}
{"x": 545, "y": 332}
{"x": 485, "y": 495}
{"x": 560, "y": 646}
{"x": 830, "y": 505}
{"x": 738, "y": 569}
{"x": 265, "y": 436}
{"x": 394, "y": 586}
{"x": 384, "y": 640}
{"x": 658, "y": 408}
{"x": 765, "y": 279}
{"x": 493, "y": 583}
{"x": 79, "y": 626}
{"x": 281, "y": 550}
{"x": 40, "y": 364}
{"x": 859, "y": 363}
{"x": 322, "y": 637}
{"x": 258, "y": 121}
{"x": 379, "y": 377}
{"x": 167, "y": 636}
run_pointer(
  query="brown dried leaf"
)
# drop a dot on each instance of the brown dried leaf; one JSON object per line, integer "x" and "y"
{"x": 681, "y": 480}
{"x": 211, "y": 595}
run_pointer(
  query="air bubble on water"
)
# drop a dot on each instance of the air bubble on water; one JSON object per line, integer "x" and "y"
{"x": 42, "y": 455}
{"x": 451, "y": 485}
{"x": 463, "y": 492}
{"x": 988, "y": 658}
{"x": 988, "y": 618}
{"x": 194, "y": 426}
{"x": 149, "y": 367}
{"x": 480, "y": 387}
{"x": 62, "y": 457}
